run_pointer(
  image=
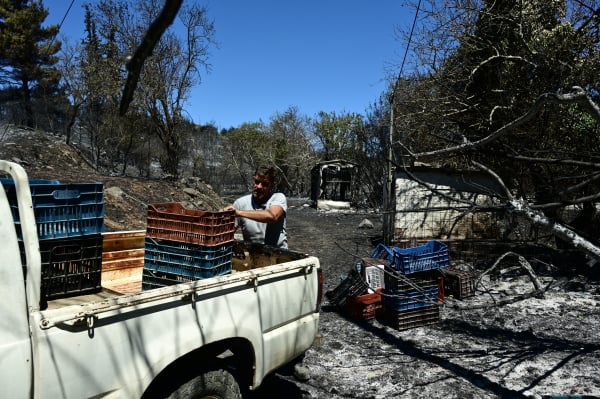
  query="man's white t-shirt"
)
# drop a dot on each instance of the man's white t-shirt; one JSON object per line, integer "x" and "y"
{"x": 273, "y": 234}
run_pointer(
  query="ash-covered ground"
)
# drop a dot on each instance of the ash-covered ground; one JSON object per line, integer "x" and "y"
{"x": 539, "y": 347}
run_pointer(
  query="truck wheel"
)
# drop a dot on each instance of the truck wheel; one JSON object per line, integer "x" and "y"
{"x": 213, "y": 384}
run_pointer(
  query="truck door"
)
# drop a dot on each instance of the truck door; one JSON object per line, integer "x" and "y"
{"x": 15, "y": 342}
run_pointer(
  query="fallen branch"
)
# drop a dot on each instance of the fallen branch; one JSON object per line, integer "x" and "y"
{"x": 522, "y": 207}
{"x": 537, "y": 293}
{"x": 524, "y": 264}
{"x": 507, "y": 301}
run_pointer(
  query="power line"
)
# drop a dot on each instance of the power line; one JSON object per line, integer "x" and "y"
{"x": 65, "y": 16}
{"x": 412, "y": 29}
{"x": 53, "y": 39}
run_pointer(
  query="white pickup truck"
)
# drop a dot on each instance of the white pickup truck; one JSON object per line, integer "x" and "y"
{"x": 216, "y": 337}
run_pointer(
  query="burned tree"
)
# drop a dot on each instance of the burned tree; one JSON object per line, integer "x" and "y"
{"x": 510, "y": 89}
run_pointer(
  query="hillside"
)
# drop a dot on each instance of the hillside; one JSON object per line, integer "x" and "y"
{"x": 45, "y": 156}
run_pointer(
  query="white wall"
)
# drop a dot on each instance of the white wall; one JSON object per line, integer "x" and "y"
{"x": 422, "y": 214}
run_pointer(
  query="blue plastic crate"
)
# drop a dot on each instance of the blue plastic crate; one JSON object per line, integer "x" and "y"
{"x": 61, "y": 210}
{"x": 153, "y": 279}
{"x": 189, "y": 261}
{"x": 381, "y": 251}
{"x": 70, "y": 266}
{"x": 397, "y": 300}
{"x": 432, "y": 255}
{"x": 412, "y": 291}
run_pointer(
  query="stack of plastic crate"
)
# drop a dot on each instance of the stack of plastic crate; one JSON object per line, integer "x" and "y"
{"x": 184, "y": 244}
{"x": 70, "y": 221}
{"x": 413, "y": 285}
{"x": 359, "y": 294}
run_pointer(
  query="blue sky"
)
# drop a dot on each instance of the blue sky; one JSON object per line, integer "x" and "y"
{"x": 316, "y": 55}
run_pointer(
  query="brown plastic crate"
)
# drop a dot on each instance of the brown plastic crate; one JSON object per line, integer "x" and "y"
{"x": 412, "y": 318}
{"x": 395, "y": 280}
{"x": 364, "y": 307}
{"x": 172, "y": 221}
{"x": 459, "y": 283}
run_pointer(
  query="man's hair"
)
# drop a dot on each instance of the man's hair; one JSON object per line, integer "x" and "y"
{"x": 266, "y": 171}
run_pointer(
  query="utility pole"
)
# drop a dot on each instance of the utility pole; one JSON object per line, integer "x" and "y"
{"x": 388, "y": 198}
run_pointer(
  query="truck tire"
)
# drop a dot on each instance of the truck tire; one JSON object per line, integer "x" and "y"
{"x": 213, "y": 384}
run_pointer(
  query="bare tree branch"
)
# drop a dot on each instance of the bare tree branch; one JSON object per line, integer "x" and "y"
{"x": 503, "y": 57}
{"x": 577, "y": 96}
{"x": 144, "y": 50}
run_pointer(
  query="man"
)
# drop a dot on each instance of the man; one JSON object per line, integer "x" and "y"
{"x": 261, "y": 215}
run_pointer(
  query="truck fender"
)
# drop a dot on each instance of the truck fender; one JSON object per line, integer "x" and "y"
{"x": 234, "y": 355}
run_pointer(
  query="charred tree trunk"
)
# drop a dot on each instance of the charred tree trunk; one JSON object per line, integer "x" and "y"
{"x": 539, "y": 219}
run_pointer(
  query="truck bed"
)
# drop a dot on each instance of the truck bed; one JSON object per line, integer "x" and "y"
{"x": 123, "y": 263}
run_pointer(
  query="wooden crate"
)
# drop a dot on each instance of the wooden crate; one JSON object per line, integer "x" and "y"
{"x": 123, "y": 261}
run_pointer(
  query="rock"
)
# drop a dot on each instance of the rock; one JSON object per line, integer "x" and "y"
{"x": 198, "y": 204}
{"x": 191, "y": 192}
{"x": 365, "y": 224}
{"x": 114, "y": 192}
{"x": 301, "y": 373}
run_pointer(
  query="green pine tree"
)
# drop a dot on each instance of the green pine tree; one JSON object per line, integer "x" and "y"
{"x": 27, "y": 50}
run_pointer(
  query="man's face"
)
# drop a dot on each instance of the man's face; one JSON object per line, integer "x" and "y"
{"x": 261, "y": 188}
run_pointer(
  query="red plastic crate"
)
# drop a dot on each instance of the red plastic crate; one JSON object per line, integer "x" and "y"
{"x": 172, "y": 221}
{"x": 364, "y": 307}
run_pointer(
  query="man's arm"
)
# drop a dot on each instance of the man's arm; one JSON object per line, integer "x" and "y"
{"x": 270, "y": 215}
